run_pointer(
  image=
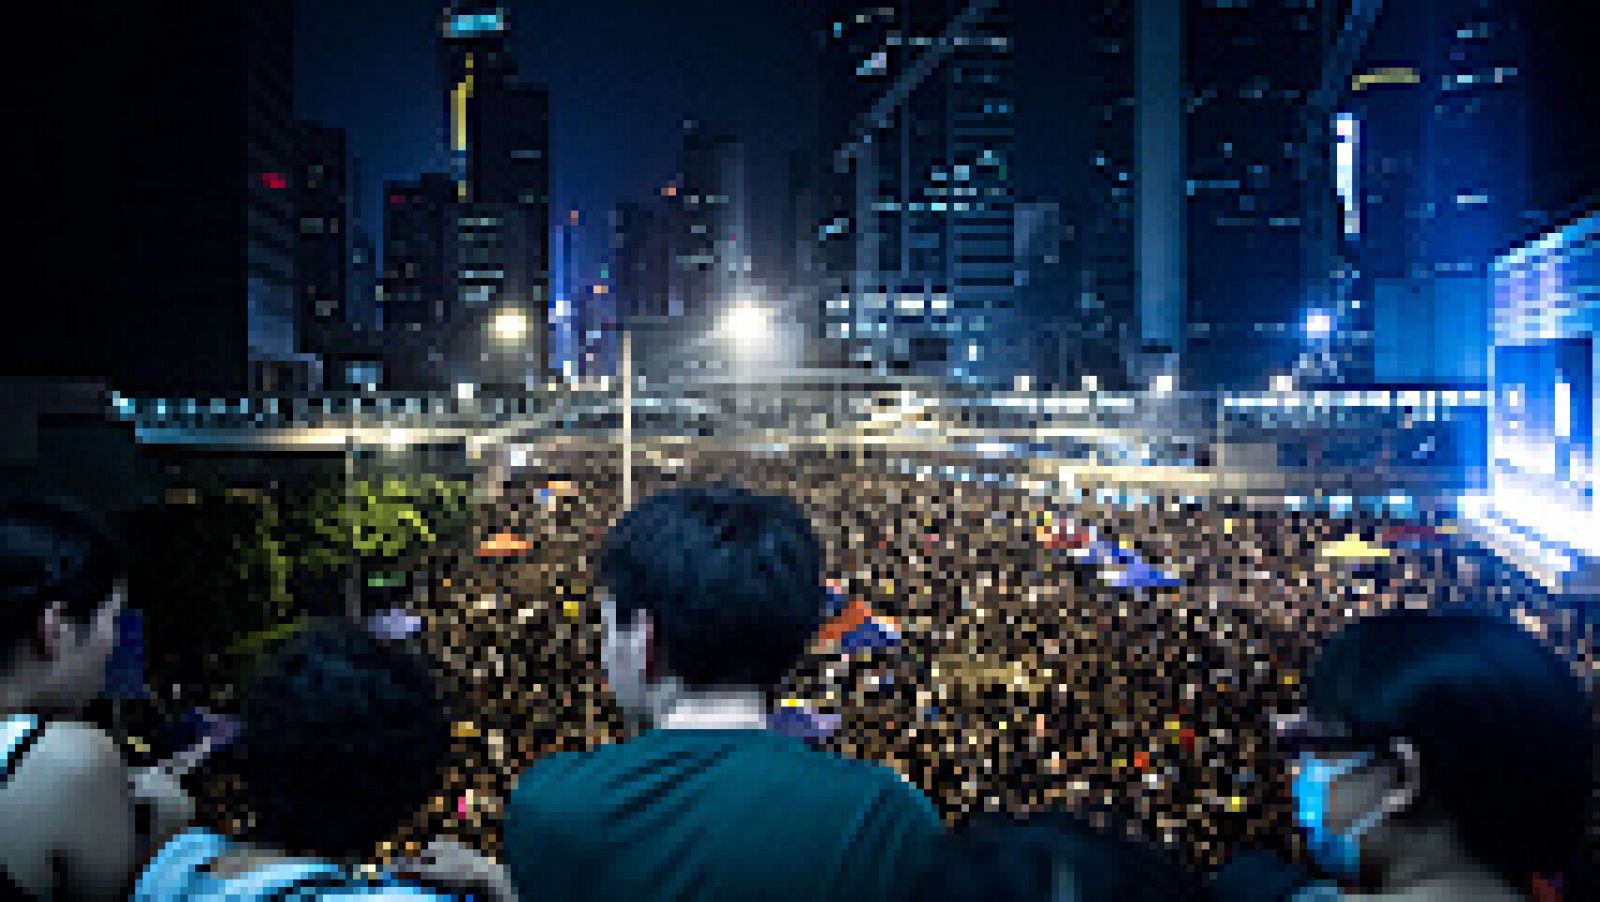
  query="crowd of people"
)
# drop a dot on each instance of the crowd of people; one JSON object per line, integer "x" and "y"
{"x": 603, "y": 678}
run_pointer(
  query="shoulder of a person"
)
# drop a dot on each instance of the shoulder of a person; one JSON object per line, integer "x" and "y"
{"x": 880, "y": 783}
{"x": 76, "y": 751}
{"x": 541, "y": 782}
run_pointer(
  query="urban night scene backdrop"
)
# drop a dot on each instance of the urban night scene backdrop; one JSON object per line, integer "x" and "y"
{"x": 1121, "y": 353}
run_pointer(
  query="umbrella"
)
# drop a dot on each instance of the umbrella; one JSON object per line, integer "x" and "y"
{"x": 801, "y": 722}
{"x": 1353, "y": 548}
{"x": 504, "y": 544}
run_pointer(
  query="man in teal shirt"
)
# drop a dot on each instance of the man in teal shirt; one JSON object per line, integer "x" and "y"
{"x": 709, "y": 595}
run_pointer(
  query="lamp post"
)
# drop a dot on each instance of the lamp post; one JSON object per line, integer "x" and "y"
{"x": 627, "y": 417}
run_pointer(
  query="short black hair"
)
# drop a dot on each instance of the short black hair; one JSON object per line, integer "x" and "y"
{"x": 343, "y": 736}
{"x": 732, "y": 581}
{"x": 1500, "y": 722}
{"x": 53, "y": 550}
{"x": 997, "y": 857}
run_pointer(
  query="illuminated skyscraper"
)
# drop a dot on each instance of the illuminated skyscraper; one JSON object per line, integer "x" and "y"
{"x": 1431, "y": 167}
{"x": 915, "y": 217}
{"x": 497, "y": 134}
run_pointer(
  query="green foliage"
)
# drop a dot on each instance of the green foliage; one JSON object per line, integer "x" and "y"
{"x": 206, "y": 574}
{"x": 381, "y": 521}
{"x": 224, "y": 578}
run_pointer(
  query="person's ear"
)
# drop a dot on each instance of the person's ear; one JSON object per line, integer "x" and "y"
{"x": 644, "y": 633}
{"x": 50, "y": 637}
{"x": 1405, "y": 795}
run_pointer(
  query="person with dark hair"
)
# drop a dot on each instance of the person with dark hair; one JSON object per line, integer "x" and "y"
{"x": 709, "y": 596}
{"x": 1054, "y": 857}
{"x": 1441, "y": 756}
{"x": 67, "y": 798}
{"x": 343, "y": 736}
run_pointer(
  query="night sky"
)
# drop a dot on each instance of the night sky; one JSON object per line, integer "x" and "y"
{"x": 623, "y": 75}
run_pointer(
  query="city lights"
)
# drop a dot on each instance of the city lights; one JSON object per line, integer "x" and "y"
{"x": 746, "y": 325}
{"x": 510, "y": 325}
{"x": 1319, "y": 325}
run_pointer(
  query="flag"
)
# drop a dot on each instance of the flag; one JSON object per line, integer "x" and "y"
{"x": 1139, "y": 576}
{"x": 855, "y": 627}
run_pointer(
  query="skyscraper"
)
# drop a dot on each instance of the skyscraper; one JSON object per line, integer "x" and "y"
{"x": 640, "y": 260}
{"x": 710, "y": 224}
{"x": 322, "y": 248}
{"x": 915, "y": 217}
{"x": 564, "y": 326}
{"x": 1250, "y": 70}
{"x": 497, "y": 131}
{"x": 161, "y": 220}
{"x": 1106, "y": 305}
{"x": 1431, "y": 178}
{"x": 419, "y": 253}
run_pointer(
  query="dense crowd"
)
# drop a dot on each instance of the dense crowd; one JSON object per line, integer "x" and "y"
{"x": 1017, "y": 670}
{"x": 1023, "y": 681}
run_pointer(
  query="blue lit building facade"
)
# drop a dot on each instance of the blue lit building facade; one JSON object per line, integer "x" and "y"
{"x": 1543, "y": 499}
{"x": 915, "y": 219}
{"x": 1431, "y": 168}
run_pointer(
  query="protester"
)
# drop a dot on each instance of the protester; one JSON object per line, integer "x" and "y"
{"x": 1049, "y": 857}
{"x": 67, "y": 798}
{"x": 1442, "y": 756}
{"x": 343, "y": 736}
{"x": 710, "y": 596}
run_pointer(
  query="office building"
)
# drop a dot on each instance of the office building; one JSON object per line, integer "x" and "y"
{"x": 1431, "y": 178}
{"x": 161, "y": 224}
{"x": 915, "y": 220}
{"x": 641, "y": 260}
{"x": 711, "y": 255}
{"x": 497, "y": 136}
{"x": 322, "y": 249}
{"x": 417, "y": 290}
{"x": 1250, "y": 70}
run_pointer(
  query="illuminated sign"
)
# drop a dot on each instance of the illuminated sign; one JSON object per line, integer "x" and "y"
{"x": 1389, "y": 75}
{"x": 468, "y": 25}
{"x": 1546, "y": 371}
{"x": 1347, "y": 132}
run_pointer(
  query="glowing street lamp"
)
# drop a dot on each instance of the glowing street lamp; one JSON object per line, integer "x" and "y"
{"x": 509, "y": 325}
{"x": 746, "y": 325}
{"x": 1319, "y": 325}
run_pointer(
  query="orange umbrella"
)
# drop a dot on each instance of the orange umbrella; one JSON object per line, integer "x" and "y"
{"x": 504, "y": 544}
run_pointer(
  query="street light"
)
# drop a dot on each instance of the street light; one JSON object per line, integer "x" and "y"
{"x": 746, "y": 325}
{"x": 1319, "y": 325}
{"x": 509, "y": 325}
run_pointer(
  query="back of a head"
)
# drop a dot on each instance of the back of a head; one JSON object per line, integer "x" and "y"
{"x": 1050, "y": 858}
{"x": 344, "y": 735}
{"x": 731, "y": 580}
{"x": 52, "y": 551}
{"x": 1503, "y": 730}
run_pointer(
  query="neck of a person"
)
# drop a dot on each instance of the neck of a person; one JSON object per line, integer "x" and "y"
{"x": 19, "y": 693}
{"x": 1432, "y": 864}
{"x": 713, "y": 709}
